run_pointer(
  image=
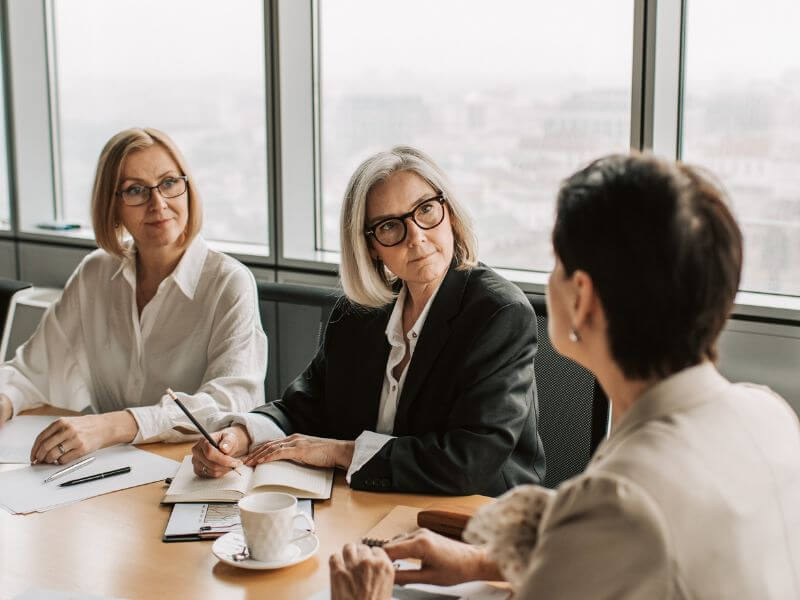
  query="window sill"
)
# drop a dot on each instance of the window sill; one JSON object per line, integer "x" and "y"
{"x": 249, "y": 253}
{"x": 72, "y": 237}
{"x": 753, "y": 306}
{"x": 749, "y": 306}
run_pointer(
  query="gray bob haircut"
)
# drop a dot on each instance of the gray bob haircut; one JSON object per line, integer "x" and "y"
{"x": 365, "y": 280}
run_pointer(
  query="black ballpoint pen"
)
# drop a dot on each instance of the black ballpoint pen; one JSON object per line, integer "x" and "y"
{"x": 96, "y": 476}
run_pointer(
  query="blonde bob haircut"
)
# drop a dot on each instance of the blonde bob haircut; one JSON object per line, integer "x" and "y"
{"x": 367, "y": 281}
{"x": 108, "y": 230}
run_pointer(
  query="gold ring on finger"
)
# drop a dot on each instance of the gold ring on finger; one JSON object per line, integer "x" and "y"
{"x": 61, "y": 448}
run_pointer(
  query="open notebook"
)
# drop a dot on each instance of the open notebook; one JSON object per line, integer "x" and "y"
{"x": 278, "y": 476}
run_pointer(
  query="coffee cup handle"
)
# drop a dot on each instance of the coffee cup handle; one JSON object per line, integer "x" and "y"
{"x": 305, "y": 534}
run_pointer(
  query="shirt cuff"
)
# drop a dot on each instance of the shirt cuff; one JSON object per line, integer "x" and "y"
{"x": 368, "y": 444}
{"x": 260, "y": 428}
{"x": 19, "y": 402}
{"x": 151, "y": 420}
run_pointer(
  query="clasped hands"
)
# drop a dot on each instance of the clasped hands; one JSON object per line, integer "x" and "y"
{"x": 360, "y": 572}
{"x": 234, "y": 443}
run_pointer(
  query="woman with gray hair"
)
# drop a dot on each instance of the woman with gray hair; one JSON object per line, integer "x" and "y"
{"x": 423, "y": 381}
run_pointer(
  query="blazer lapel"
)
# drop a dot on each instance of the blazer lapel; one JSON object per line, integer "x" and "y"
{"x": 434, "y": 336}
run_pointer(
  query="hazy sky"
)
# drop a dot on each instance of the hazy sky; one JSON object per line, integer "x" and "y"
{"x": 739, "y": 41}
{"x": 110, "y": 38}
{"x": 502, "y": 39}
{"x": 459, "y": 38}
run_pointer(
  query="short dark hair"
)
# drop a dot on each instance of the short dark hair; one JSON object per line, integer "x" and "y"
{"x": 663, "y": 251}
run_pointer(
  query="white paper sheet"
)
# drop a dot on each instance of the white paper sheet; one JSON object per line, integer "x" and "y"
{"x": 471, "y": 590}
{"x": 23, "y": 490}
{"x": 17, "y": 436}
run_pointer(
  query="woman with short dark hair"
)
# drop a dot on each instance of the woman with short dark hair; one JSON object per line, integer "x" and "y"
{"x": 696, "y": 493}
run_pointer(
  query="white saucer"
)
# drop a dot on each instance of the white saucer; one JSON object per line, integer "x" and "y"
{"x": 232, "y": 543}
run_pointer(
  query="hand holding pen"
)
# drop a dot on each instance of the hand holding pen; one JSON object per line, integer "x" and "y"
{"x": 197, "y": 424}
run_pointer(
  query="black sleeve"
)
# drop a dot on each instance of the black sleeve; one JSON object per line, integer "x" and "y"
{"x": 485, "y": 420}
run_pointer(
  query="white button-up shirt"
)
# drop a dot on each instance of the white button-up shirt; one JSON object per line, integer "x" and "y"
{"x": 369, "y": 443}
{"x": 200, "y": 335}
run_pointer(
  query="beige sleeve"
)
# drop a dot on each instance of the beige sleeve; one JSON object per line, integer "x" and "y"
{"x": 602, "y": 536}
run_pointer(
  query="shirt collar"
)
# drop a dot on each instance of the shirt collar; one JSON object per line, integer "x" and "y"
{"x": 677, "y": 393}
{"x": 186, "y": 275}
{"x": 394, "y": 328}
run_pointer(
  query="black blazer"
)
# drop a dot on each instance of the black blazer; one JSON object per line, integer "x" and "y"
{"x": 466, "y": 420}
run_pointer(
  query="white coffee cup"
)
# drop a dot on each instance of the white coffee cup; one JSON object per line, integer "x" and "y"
{"x": 268, "y": 524}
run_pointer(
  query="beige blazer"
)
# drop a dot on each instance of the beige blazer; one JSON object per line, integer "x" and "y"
{"x": 696, "y": 494}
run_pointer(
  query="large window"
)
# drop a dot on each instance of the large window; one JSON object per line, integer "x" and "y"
{"x": 741, "y": 108}
{"x": 193, "y": 68}
{"x": 509, "y": 97}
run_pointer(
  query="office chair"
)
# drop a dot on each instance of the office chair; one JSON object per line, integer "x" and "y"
{"x": 8, "y": 289}
{"x": 22, "y": 307}
{"x": 573, "y": 409}
{"x": 293, "y": 317}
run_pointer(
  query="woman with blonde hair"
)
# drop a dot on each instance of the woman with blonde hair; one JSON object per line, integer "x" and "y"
{"x": 424, "y": 378}
{"x": 137, "y": 316}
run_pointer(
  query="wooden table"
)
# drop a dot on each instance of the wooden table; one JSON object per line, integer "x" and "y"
{"x": 111, "y": 545}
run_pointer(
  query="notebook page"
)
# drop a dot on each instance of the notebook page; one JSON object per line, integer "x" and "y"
{"x": 288, "y": 474}
{"x": 186, "y": 482}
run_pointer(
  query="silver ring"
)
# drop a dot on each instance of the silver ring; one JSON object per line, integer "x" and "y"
{"x": 61, "y": 448}
{"x": 204, "y": 470}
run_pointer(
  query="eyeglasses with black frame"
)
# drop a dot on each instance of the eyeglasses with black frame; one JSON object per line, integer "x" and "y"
{"x": 392, "y": 231}
{"x": 169, "y": 187}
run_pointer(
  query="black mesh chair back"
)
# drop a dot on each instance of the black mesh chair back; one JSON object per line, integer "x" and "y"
{"x": 573, "y": 409}
{"x": 293, "y": 317}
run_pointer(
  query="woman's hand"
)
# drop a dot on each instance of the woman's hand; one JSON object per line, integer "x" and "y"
{"x": 305, "y": 449}
{"x": 210, "y": 462}
{"x": 6, "y": 409}
{"x": 68, "y": 438}
{"x": 444, "y": 561}
{"x": 361, "y": 573}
